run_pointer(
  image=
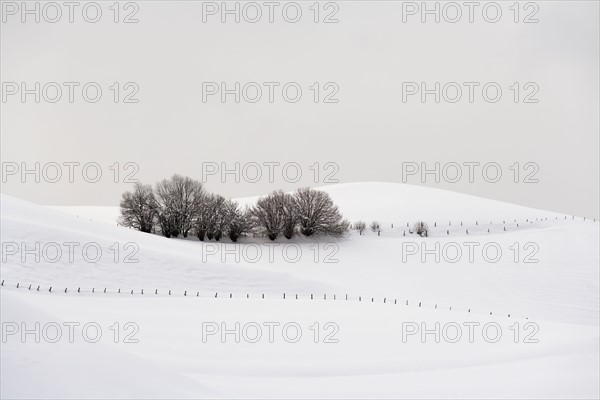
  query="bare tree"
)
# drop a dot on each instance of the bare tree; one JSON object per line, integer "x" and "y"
{"x": 317, "y": 214}
{"x": 421, "y": 228}
{"x": 269, "y": 214}
{"x": 139, "y": 208}
{"x": 179, "y": 199}
{"x": 375, "y": 227}
{"x": 360, "y": 226}
{"x": 238, "y": 220}
{"x": 290, "y": 216}
{"x": 167, "y": 208}
{"x": 167, "y": 222}
{"x": 202, "y": 217}
{"x": 217, "y": 217}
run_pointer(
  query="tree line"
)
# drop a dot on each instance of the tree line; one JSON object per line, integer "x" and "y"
{"x": 181, "y": 206}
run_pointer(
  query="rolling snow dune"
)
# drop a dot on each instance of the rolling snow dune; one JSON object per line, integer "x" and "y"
{"x": 546, "y": 273}
{"x": 548, "y": 265}
{"x": 78, "y": 370}
{"x": 369, "y": 359}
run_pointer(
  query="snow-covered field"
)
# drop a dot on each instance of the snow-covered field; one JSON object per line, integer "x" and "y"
{"x": 337, "y": 318}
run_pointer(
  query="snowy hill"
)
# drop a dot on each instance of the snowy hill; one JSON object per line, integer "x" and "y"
{"x": 546, "y": 272}
{"x": 394, "y": 202}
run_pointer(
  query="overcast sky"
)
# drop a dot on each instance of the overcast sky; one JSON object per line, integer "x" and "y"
{"x": 365, "y": 61}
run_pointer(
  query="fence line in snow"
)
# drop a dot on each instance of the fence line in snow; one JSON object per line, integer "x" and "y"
{"x": 346, "y": 297}
{"x": 448, "y": 232}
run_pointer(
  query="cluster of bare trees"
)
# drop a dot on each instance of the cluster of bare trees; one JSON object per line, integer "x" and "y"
{"x": 180, "y": 205}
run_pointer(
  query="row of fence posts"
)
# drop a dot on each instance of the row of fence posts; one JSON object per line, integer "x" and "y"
{"x": 477, "y": 223}
{"x": 312, "y": 296}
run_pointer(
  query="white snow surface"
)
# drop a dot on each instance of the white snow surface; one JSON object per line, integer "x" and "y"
{"x": 554, "y": 301}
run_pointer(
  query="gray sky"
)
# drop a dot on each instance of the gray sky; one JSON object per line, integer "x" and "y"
{"x": 369, "y": 134}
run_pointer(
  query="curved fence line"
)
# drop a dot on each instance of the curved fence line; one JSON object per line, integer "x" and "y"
{"x": 217, "y": 295}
